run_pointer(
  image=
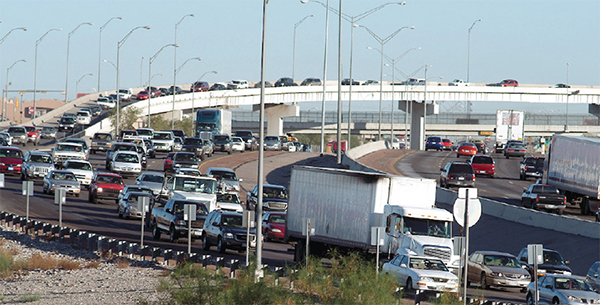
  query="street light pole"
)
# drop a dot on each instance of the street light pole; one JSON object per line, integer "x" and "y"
{"x": 150, "y": 76}
{"x": 119, "y": 44}
{"x": 339, "y": 106}
{"x": 193, "y": 92}
{"x": 294, "y": 47}
{"x": 175, "y": 67}
{"x": 37, "y": 43}
{"x": 175, "y": 91}
{"x": 382, "y": 41}
{"x": 5, "y": 100}
{"x": 100, "y": 47}
{"x": 68, "y": 48}
{"x": 141, "y": 68}
{"x": 469, "y": 48}
{"x": 77, "y": 82}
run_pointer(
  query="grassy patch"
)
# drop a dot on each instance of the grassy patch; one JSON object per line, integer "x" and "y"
{"x": 6, "y": 263}
{"x": 92, "y": 265}
{"x": 30, "y": 298}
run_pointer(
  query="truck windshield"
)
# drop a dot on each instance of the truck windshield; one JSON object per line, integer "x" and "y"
{"x": 40, "y": 159}
{"x": 65, "y": 147}
{"x": 195, "y": 185}
{"x": 427, "y": 227}
{"x": 103, "y": 136}
{"x": 162, "y": 136}
{"x": 206, "y": 126}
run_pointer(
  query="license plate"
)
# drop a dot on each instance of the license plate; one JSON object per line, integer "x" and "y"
{"x": 197, "y": 233}
{"x": 481, "y": 172}
{"x": 11, "y": 168}
{"x": 512, "y": 283}
{"x": 461, "y": 178}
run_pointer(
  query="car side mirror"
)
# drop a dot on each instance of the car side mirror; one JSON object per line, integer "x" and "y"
{"x": 168, "y": 211}
{"x": 240, "y": 180}
{"x": 242, "y": 203}
{"x": 403, "y": 265}
{"x": 567, "y": 262}
{"x": 441, "y": 169}
{"x": 216, "y": 224}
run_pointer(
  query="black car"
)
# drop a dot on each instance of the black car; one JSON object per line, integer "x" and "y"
{"x": 285, "y": 82}
{"x": 553, "y": 263}
{"x": 531, "y": 167}
{"x": 457, "y": 174}
{"x": 346, "y": 82}
{"x": 150, "y": 148}
{"x": 222, "y": 142}
{"x": 67, "y": 124}
{"x": 250, "y": 141}
{"x": 179, "y": 133}
{"x": 311, "y": 82}
{"x": 217, "y": 86}
{"x": 178, "y": 90}
{"x": 226, "y": 231}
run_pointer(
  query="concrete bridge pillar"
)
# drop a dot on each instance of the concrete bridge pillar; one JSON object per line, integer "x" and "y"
{"x": 275, "y": 115}
{"x": 418, "y": 120}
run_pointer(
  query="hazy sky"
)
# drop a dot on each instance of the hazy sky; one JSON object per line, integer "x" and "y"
{"x": 531, "y": 41}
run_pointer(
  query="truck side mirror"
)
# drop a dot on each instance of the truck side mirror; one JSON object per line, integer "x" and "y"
{"x": 240, "y": 180}
{"x": 168, "y": 210}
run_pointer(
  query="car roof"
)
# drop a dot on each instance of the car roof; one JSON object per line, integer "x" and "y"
{"x": 108, "y": 174}
{"x": 128, "y": 152}
{"x": 223, "y": 169}
{"x": 78, "y": 161}
{"x": 277, "y": 186}
{"x": 37, "y": 152}
{"x": 153, "y": 173}
{"x": 227, "y": 213}
{"x": 494, "y": 253}
{"x": 69, "y": 143}
{"x": 62, "y": 171}
{"x": 139, "y": 193}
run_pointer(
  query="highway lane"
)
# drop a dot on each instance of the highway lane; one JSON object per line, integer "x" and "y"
{"x": 102, "y": 218}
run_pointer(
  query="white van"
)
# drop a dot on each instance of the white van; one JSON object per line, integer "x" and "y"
{"x": 238, "y": 84}
{"x": 84, "y": 118}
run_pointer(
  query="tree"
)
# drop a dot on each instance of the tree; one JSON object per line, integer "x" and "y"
{"x": 127, "y": 118}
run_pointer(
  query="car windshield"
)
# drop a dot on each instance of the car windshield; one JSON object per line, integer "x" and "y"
{"x": 68, "y": 120}
{"x": 65, "y": 147}
{"x": 461, "y": 168}
{"x": 145, "y": 132}
{"x": 48, "y": 129}
{"x": 427, "y": 264}
{"x": 243, "y": 133}
{"x": 517, "y": 146}
{"x": 501, "y": 261}
{"x": 103, "y": 136}
{"x": 40, "y": 159}
{"x": 551, "y": 257}
{"x": 125, "y": 147}
{"x": 16, "y": 130}
{"x": 109, "y": 179}
{"x": 83, "y": 144}
{"x": 224, "y": 175}
{"x": 191, "y": 157}
{"x": 221, "y": 138}
{"x": 467, "y": 145}
{"x": 571, "y": 284}
{"x": 231, "y": 221}
{"x": 63, "y": 176}
{"x": 267, "y": 139}
{"x": 129, "y": 158}
{"x": 179, "y": 206}
{"x": 426, "y": 227}
{"x": 153, "y": 178}
{"x": 229, "y": 198}
{"x": 78, "y": 165}
{"x": 162, "y": 136}
{"x": 134, "y": 197}
{"x": 483, "y": 160}
{"x": 277, "y": 218}
{"x": 276, "y": 193}
{"x": 83, "y": 113}
{"x": 30, "y": 128}
{"x": 189, "y": 184}
{"x": 11, "y": 153}
{"x": 192, "y": 141}
{"x": 237, "y": 140}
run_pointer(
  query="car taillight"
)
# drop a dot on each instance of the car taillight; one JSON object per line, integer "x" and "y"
{"x": 525, "y": 167}
{"x": 565, "y": 200}
{"x": 473, "y": 177}
{"x": 537, "y": 198}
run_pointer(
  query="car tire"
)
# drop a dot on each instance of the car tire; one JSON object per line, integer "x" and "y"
{"x": 409, "y": 285}
{"x": 529, "y": 299}
{"x": 44, "y": 189}
{"x": 229, "y": 152}
{"x": 523, "y": 203}
{"x": 77, "y": 195}
{"x": 119, "y": 212}
{"x": 94, "y": 200}
{"x": 172, "y": 234}
{"x": 221, "y": 248}
{"x": 155, "y": 230}
{"x": 559, "y": 211}
{"x": 507, "y": 156}
{"x": 483, "y": 282}
{"x": 205, "y": 243}
{"x": 22, "y": 177}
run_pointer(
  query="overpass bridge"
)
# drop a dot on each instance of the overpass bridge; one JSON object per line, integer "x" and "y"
{"x": 282, "y": 102}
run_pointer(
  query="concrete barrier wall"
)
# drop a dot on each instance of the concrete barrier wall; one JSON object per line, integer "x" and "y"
{"x": 350, "y": 157}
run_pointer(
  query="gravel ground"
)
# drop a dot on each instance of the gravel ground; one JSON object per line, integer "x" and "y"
{"x": 109, "y": 281}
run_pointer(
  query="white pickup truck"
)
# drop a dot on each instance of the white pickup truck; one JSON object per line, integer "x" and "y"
{"x": 64, "y": 151}
{"x": 106, "y": 103}
{"x": 125, "y": 94}
{"x": 197, "y": 188}
{"x": 163, "y": 141}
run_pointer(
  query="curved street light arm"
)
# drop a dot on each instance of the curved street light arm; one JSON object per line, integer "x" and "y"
{"x": 188, "y": 15}
{"x": 110, "y": 62}
{"x": 300, "y": 22}
{"x": 18, "y": 61}
{"x": 385, "y": 40}
{"x": 472, "y": 25}
{"x": 404, "y": 54}
{"x": 185, "y": 62}
{"x": 109, "y": 20}
{"x": 201, "y": 76}
{"x": 371, "y": 11}
{"x": 147, "y": 27}
{"x": 50, "y": 30}
{"x": 168, "y": 45}
{"x": 4, "y": 37}
{"x": 75, "y": 29}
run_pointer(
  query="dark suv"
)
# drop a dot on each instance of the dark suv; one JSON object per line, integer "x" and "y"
{"x": 285, "y": 82}
{"x": 457, "y": 174}
{"x": 199, "y": 86}
{"x": 531, "y": 167}
{"x": 552, "y": 263}
{"x": 226, "y": 231}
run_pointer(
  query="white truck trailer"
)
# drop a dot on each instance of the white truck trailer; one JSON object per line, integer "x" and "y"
{"x": 344, "y": 205}
{"x": 509, "y": 126}
{"x": 572, "y": 164}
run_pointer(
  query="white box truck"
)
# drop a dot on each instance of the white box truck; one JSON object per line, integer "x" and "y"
{"x": 572, "y": 164}
{"x": 509, "y": 126}
{"x": 344, "y": 205}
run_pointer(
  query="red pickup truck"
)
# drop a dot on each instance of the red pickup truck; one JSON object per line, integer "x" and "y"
{"x": 33, "y": 135}
{"x": 105, "y": 186}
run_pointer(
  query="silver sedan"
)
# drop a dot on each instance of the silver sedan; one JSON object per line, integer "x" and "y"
{"x": 57, "y": 179}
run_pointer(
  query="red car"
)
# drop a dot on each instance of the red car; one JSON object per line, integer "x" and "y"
{"x": 273, "y": 225}
{"x": 483, "y": 165}
{"x": 466, "y": 149}
{"x": 33, "y": 135}
{"x": 509, "y": 83}
{"x": 168, "y": 165}
{"x": 142, "y": 95}
{"x": 11, "y": 159}
{"x": 105, "y": 186}
{"x": 199, "y": 87}
{"x": 155, "y": 91}
{"x": 447, "y": 144}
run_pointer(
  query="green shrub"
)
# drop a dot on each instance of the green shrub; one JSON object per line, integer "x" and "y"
{"x": 6, "y": 263}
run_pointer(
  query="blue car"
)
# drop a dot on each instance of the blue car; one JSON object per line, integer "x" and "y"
{"x": 434, "y": 143}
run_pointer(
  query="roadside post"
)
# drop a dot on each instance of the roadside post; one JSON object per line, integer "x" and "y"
{"x": 248, "y": 223}
{"x": 1, "y": 181}
{"x": 535, "y": 256}
{"x": 377, "y": 240}
{"x": 27, "y": 191}
{"x": 142, "y": 205}
{"x": 308, "y": 230}
{"x": 459, "y": 249}
{"x": 189, "y": 215}
{"x": 467, "y": 211}
{"x": 60, "y": 198}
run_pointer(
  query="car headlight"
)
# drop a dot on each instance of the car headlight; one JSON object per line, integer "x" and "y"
{"x": 497, "y": 274}
{"x": 195, "y": 166}
{"x": 276, "y": 230}
{"x": 228, "y": 235}
{"x": 574, "y": 298}
{"x": 2, "y": 164}
{"x": 181, "y": 222}
{"x": 100, "y": 190}
{"x": 426, "y": 279}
